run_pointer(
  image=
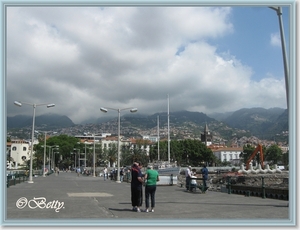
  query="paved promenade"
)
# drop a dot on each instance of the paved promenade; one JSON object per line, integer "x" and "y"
{"x": 67, "y": 200}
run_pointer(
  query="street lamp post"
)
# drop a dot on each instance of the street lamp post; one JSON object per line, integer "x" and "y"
{"x": 132, "y": 110}
{"x": 94, "y": 155}
{"x": 94, "y": 159}
{"x": 49, "y": 154}
{"x": 77, "y": 151}
{"x": 49, "y": 159}
{"x": 85, "y": 154}
{"x": 285, "y": 64}
{"x": 79, "y": 158}
{"x": 18, "y": 103}
{"x": 53, "y": 156}
{"x": 74, "y": 157}
{"x": 44, "y": 155}
{"x": 50, "y": 148}
{"x": 45, "y": 146}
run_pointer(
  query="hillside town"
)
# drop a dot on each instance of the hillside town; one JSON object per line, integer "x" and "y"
{"x": 18, "y": 150}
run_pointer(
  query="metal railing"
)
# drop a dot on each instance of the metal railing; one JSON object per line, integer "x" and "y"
{"x": 262, "y": 190}
{"x": 16, "y": 178}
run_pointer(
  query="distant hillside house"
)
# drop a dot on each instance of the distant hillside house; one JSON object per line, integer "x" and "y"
{"x": 90, "y": 138}
{"x": 206, "y": 137}
{"x": 151, "y": 138}
{"x": 228, "y": 154}
{"x": 284, "y": 149}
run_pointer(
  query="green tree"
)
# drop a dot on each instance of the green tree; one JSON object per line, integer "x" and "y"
{"x": 175, "y": 151}
{"x": 104, "y": 155}
{"x": 274, "y": 154}
{"x": 192, "y": 152}
{"x": 285, "y": 158}
{"x": 163, "y": 150}
{"x": 112, "y": 153}
{"x": 153, "y": 153}
{"x": 247, "y": 152}
{"x": 89, "y": 152}
{"x": 126, "y": 157}
{"x": 66, "y": 148}
{"x": 100, "y": 157}
{"x": 138, "y": 153}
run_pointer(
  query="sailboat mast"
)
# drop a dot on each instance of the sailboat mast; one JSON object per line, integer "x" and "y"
{"x": 168, "y": 129}
{"x": 158, "y": 138}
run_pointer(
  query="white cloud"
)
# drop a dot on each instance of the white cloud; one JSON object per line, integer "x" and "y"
{"x": 82, "y": 59}
{"x": 275, "y": 40}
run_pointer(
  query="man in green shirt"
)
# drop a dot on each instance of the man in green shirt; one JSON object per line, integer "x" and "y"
{"x": 151, "y": 177}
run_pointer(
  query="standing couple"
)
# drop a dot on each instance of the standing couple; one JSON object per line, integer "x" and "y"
{"x": 137, "y": 179}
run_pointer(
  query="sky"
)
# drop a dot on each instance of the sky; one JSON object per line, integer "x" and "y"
{"x": 207, "y": 59}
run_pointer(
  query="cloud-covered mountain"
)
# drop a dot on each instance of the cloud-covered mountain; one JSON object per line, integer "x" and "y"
{"x": 260, "y": 122}
{"x": 49, "y": 121}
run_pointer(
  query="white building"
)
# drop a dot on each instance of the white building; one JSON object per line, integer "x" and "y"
{"x": 20, "y": 152}
{"x": 151, "y": 138}
{"x": 228, "y": 154}
{"x": 108, "y": 142}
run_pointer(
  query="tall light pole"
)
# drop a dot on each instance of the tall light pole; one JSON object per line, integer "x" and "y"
{"x": 94, "y": 159}
{"x": 85, "y": 154}
{"x": 56, "y": 146}
{"x": 48, "y": 154}
{"x": 45, "y": 138}
{"x": 75, "y": 157}
{"x": 19, "y": 103}
{"x": 45, "y": 152}
{"x": 285, "y": 64}
{"x": 53, "y": 157}
{"x": 94, "y": 155}
{"x": 77, "y": 151}
{"x": 79, "y": 158}
{"x": 132, "y": 110}
{"x": 44, "y": 155}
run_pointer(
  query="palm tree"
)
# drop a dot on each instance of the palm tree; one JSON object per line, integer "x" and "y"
{"x": 112, "y": 153}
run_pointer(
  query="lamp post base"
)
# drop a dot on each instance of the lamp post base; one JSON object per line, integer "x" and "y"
{"x": 118, "y": 181}
{"x": 30, "y": 181}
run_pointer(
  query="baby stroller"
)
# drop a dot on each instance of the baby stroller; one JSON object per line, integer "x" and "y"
{"x": 193, "y": 184}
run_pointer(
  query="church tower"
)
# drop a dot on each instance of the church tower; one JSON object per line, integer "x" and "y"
{"x": 206, "y": 137}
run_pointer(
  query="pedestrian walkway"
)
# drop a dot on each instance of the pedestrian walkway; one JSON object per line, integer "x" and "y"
{"x": 67, "y": 200}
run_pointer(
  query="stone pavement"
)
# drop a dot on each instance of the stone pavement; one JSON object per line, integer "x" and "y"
{"x": 67, "y": 200}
